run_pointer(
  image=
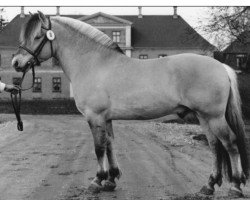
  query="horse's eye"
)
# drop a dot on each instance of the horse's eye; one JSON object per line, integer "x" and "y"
{"x": 37, "y": 37}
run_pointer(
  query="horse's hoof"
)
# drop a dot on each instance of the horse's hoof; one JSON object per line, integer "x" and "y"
{"x": 109, "y": 185}
{"x": 235, "y": 193}
{"x": 95, "y": 188}
{"x": 206, "y": 191}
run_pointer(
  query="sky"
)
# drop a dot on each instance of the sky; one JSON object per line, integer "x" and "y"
{"x": 190, "y": 14}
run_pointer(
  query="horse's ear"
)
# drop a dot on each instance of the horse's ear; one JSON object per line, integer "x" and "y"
{"x": 43, "y": 19}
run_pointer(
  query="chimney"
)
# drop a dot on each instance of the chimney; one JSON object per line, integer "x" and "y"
{"x": 57, "y": 10}
{"x": 175, "y": 16}
{"x": 139, "y": 9}
{"x": 22, "y": 15}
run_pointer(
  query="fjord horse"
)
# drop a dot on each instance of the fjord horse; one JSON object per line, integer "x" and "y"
{"x": 108, "y": 85}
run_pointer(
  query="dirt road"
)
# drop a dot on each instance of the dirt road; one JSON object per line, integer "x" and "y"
{"x": 53, "y": 159}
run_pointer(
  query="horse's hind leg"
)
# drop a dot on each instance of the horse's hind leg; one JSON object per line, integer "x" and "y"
{"x": 228, "y": 139}
{"x": 215, "y": 176}
{"x": 98, "y": 128}
{"x": 114, "y": 171}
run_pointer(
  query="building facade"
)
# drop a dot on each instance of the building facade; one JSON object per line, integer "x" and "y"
{"x": 237, "y": 54}
{"x": 142, "y": 37}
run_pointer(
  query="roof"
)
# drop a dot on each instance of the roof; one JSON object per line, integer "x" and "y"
{"x": 240, "y": 47}
{"x": 9, "y": 36}
{"x": 118, "y": 19}
{"x": 162, "y": 31}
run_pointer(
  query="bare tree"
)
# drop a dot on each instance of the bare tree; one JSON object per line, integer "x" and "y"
{"x": 3, "y": 22}
{"x": 227, "y": 24}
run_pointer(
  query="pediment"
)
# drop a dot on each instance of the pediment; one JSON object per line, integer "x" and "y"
{"x": 103, "y": 18}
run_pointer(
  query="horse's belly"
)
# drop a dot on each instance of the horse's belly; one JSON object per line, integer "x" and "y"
{"x": 142, "y": 108}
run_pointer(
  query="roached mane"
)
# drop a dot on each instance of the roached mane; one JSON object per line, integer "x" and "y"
{"x": 90, "y": 32}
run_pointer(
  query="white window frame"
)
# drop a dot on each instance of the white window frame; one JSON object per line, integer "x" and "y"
{"x": 116, "y": 36}
{"x": 143, "y": 56}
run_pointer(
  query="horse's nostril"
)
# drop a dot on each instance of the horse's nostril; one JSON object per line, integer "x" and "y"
{"x": 16, "y": 64}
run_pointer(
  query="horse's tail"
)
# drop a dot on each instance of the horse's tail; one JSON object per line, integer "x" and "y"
{"x": 236, "y": 123}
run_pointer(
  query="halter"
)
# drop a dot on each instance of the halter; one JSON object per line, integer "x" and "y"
{"x": 48, "y": 37}
{"x": 16, "y": 98}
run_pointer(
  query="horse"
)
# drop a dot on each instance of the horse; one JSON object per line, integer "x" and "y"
{"x": 108, "y": 85}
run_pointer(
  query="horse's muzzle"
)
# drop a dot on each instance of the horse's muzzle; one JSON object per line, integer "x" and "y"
{"x": 26, "y": 67}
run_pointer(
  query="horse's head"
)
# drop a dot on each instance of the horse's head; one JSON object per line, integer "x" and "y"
{"x": 36, "y": 43}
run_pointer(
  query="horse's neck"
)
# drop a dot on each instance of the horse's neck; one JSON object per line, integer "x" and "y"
{"x": 77, "y": 55}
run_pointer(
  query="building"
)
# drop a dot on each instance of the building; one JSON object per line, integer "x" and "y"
{"x": 139, "y": 36}
{"x": 237, "y": 54}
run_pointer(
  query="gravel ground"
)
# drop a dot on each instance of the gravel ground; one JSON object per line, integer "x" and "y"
{"x": 53, "y": 158}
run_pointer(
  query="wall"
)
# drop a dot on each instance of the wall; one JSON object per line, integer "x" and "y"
{"x": 6, "y": 56}
{"x": 47, "y": 92}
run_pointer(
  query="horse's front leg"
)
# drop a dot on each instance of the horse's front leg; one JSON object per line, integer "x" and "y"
{"x": 114, "y": 171}
{"x": 98, "y": 128}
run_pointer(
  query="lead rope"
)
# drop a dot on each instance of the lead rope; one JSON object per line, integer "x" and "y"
{"x": 16, "y": 100}
{"x": 16, "y": 103}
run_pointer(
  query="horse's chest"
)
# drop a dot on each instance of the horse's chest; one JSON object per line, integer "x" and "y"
{"x": 91, "y": 98}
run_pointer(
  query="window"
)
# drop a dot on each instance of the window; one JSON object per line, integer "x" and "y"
{"x": 37, "y": 85}
{"x": 56, "y": 84}
{"x": 241, "y": 60}
{"x": 162, "y": 55}
{"x": 143, "y": 56}
{"x": 238, "y": 62}
{"x": 16, "y": 81}
{"x": 116, "y": 36}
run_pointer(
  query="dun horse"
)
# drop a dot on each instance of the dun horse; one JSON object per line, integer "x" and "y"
{"x": 108, "y": 85}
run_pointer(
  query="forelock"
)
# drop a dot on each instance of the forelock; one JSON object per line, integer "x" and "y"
{"x": 28, "y": 30}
